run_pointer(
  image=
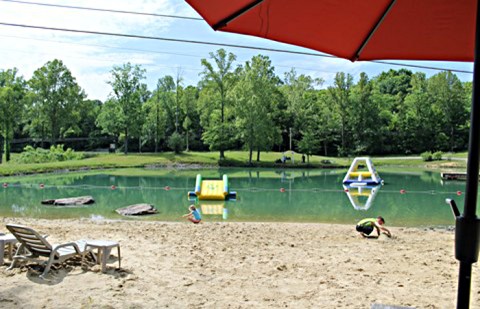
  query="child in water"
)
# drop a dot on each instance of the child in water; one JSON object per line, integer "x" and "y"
{"x": 194, "y": 215}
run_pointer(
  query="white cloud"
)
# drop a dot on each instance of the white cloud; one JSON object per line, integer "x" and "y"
{"x": 29, "y": 49}
{"x": 91, "y": 57}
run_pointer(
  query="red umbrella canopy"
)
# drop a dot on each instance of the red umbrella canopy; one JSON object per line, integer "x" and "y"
{"x": 354, "y": 29}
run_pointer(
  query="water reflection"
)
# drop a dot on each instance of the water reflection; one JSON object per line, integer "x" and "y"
{"x": 213, "y": 208}
{"x": 361, "y": 197}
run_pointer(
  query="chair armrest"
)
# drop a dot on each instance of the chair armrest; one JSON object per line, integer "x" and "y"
{"x": 69, "y": 244}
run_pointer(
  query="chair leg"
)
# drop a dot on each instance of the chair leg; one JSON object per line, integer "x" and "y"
{"x": 47, "y": 267}
{"x": 119, "y": 258}
{"x": 15, "y": 258}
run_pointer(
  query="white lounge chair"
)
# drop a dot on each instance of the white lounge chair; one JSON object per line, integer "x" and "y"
{"x": 37, "y": 246}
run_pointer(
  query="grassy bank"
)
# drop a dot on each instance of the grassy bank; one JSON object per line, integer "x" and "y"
{"x": 210, "y": 159}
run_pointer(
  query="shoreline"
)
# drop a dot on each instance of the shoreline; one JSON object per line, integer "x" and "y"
{"x": 174, "y": 166}
{"x": 243, "y": 265}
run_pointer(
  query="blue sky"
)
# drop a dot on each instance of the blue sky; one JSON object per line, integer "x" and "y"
{"x": 91, "y": 57}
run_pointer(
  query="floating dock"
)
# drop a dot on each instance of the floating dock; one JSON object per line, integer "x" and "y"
{"x": 454, "y": 176}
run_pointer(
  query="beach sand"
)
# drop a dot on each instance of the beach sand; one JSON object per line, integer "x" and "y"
{"x": 242, "y": 265}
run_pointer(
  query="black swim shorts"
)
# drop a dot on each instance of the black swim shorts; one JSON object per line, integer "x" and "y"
{"x": 364, "y": 229}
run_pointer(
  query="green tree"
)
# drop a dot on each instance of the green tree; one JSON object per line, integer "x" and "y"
{"x": 175, "y": 142}
{"x": 364, "y": 117}
{"x": 447, "y": 94}
{"x": 309, "y": 144}
{"x": 128, "y": 93}
{"x": 12, "y": 106}
{"x": 221, "y": 78}
{"x": 166, "y": 93}
{"x": 417, "y": 122}
{"x": 109, "y": 119}
{"x": 191, "y": 122}
{"x": 55, "y": 101}
{"x": 156, "y": 110}
{"x": 326, "y": 120}
{"x": 299, "y": 92}
{"x": 339, "y": 95}
{"x": 254, "y": 97}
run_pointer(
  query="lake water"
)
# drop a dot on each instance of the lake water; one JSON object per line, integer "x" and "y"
{"x": 309, "y": 196}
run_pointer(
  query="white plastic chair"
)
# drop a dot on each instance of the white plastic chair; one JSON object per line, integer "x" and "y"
{"x": 37, "y": 246}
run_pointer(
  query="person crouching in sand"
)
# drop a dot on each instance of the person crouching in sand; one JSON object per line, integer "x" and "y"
{"x": 366, "y": 226}
{"x": 194, "y": 215}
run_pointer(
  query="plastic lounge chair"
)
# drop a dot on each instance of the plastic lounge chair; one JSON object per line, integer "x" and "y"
{"x": 37, "y": 246}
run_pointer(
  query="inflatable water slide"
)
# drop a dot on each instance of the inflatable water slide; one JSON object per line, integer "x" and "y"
{"x": 207, "y": 189}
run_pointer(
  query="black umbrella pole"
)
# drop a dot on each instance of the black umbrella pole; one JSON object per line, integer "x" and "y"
{"x": 467, "y": 225}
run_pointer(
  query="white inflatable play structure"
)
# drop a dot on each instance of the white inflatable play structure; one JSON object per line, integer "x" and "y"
{"x": 362, "y": 173}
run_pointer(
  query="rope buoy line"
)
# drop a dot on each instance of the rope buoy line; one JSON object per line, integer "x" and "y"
{"x": 6, "y": 185}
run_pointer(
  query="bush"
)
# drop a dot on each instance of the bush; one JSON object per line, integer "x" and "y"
{"x": 427, "y": 156}
{"x": 437, "y": 156}
{"x": 54, "y": 154}
{"x": 175, "y": 142}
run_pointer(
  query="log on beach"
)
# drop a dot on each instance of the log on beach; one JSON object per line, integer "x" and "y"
{"x": 137, "y": 210}
{"x": 81, "y": 200}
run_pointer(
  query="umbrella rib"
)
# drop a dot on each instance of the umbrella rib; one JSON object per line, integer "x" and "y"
{"x": 222, "y": 23}
{"x": 373, "y": 30}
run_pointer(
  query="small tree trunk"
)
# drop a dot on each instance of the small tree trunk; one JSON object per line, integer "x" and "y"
{"x": 140, "y": 145}
{"x": 1, "y": 148}
{"x": 222, "y": 154}
{"x": 7, "y": 150}
{"x": 126, "y": 142}
{"x": 7, "y": 144}
{"x": 187, "y": 140}
{"x": 250, "y": 156}
{"x": 156, "y": 144}
{"x": 258, "y": 155}
{"x": 42, "y": 144}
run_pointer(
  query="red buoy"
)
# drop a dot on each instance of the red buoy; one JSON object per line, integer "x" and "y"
{"x": 459, "y": 193}
{"x": 5, "y": 184}
{"x": 346, "y": 190}
{"x": 403, "y": 191}
{"x": 282, "y": 189}
{"x": 42, "y": 186}
{"x": 167, "y": 188}
{"x": 113, "y": 187}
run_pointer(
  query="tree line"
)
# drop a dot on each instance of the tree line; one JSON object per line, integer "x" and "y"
{"x": 246, "y": 106}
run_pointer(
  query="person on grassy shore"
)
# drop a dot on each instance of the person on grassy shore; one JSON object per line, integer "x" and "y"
{"x": 194, "y": 215}
{"x": 366, "y": 226}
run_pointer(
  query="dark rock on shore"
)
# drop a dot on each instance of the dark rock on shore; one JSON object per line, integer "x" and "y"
{"x": 81, "y": 200}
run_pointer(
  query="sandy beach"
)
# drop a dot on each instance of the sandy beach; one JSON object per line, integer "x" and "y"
{"x": 241, "y": 265}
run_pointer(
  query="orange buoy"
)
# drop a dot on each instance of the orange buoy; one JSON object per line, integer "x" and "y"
{"x": 459, "y": 193}
{"x": 403, "y": 191}
{"x": 167, "y": 188}
{"x": 282, "y": 190}
{"x": 113, "y": 187}
{"x": 346, "y": 190}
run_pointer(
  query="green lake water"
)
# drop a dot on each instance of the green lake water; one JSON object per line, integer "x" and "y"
{"x": 309, "y": 196}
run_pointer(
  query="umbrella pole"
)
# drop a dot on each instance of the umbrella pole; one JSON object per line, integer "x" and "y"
{"x": 467, "y": 227}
